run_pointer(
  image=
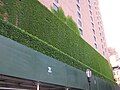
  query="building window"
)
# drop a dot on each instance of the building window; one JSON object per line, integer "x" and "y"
{"x": 101, "y": 40}
{"x": 98, "y": 23}
{"x": 89, "y": 6}
{"x": 89, "y": 1}
{"x": 92, "y": 25}
{"x": 90, "y": 12}
{"x": 98, "y": 12}
{"x": 81, "y": 31}
{"x": 55, "y": 7}
{"x": 56, "y": 1}
{"x": 94, "y": 38}
{"x": 97, "y": 17}
{"x": 79, "y": 15}
{"x": 95, "y": 45}
{"x": 93, "y": 31}
{"x": 95, "y": 7}
{"x": 102, "y": 46}
{"x": 80, "y": 23}
{"x": 103, "y": 53}
{"x": 95, "y": 3}
{"x": 99, "y": 28}
{"x": 78, "y": 7}
{"x": 91, "y": 18}
{"x": 78, "y": 1}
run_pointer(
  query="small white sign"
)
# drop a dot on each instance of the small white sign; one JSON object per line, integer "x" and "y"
{"x": 49, "y": 70}
{"x": 88, "y": 73}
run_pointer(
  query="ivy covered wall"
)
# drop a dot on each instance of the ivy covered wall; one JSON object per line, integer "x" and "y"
{"x": 42, "y": 25}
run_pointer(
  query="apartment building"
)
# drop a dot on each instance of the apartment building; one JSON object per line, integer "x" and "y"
{"x": 87, "y": 16}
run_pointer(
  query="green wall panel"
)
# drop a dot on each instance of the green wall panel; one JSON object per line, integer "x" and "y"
{"x": 15, "y": 61}
{"x": 76, "y": 78}
{"x": 19, "y": 61}
{"x": 104, "y": 85}
{"x": 58, "y": 75}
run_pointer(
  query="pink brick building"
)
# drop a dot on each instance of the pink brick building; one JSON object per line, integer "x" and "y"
{"x": 87, "y": 16}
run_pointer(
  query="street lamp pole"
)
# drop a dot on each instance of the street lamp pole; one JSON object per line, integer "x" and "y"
{"x": 89, "y": 75}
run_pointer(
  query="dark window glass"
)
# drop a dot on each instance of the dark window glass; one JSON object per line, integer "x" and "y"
{"x": 93, "y": 31}
{"x": 78, "y": 1}
{"x": 78, "y": 7}
{"x": 103, "y": 53}
{"x": 79, "y": 15}
{"x": 92, "y": 25}
{"x": 81, "y": 31}
{"x": 56, "y": 1}
{"x": 91, "y": 18}
{"x": 80, "y": 23}
{"x": 94, "y": 38}
{"x": 89, "y": 1}
{"x": 55, "y": 7}
{"x": 89, "y": 6}
{"x": 95, "y": 45}
{"x": 90, "y": 12}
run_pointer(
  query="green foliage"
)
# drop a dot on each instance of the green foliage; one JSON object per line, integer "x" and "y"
{"x": 69, "y": 47}
{"x": 2, "y": 9}
{"x": 67, "y": 20}
{"x": 72, "y": 24}
{"x": 60, "y": 14}
{"x": 1, "y": 17}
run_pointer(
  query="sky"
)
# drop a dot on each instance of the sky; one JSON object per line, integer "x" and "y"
{"x": 110, "y": 12}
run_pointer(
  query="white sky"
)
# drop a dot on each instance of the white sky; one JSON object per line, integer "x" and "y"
{"x": 110, "y": 11}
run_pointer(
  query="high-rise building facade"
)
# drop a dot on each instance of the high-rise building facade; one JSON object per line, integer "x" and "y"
{"x": 87, "y": 16}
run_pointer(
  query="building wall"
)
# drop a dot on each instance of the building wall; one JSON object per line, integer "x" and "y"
{"x": 113, "y": 57}
{"x": 115, "y": 62}
{"x": 89, "y": 20}
{"x": 117, "y": 75}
